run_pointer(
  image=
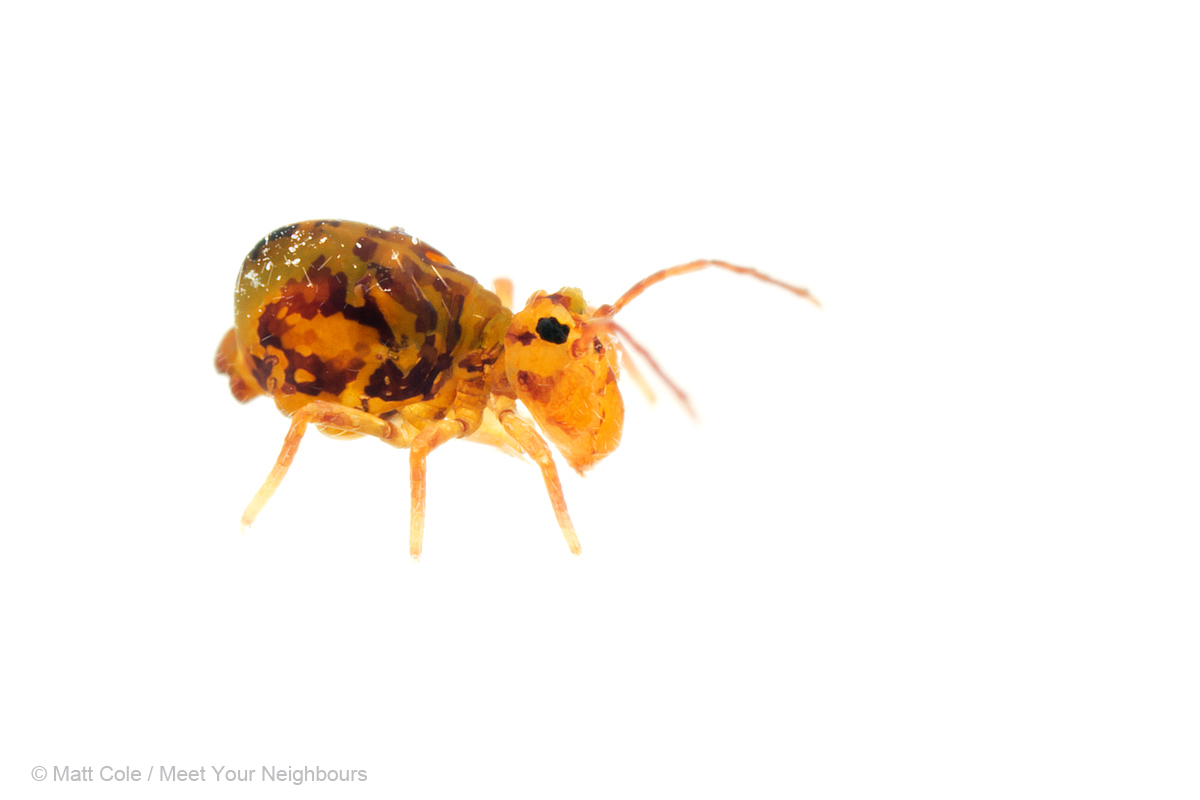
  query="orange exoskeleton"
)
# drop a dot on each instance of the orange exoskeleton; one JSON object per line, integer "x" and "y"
{"x": 360, "y": 330}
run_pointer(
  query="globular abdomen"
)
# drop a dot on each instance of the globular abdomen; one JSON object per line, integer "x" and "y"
{"x": 348, "y": 313}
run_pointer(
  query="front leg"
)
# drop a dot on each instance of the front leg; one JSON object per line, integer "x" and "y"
{"x": 535, "y": 447}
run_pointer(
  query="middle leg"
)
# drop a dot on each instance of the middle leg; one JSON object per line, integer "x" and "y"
{"x": 425, "y": 442}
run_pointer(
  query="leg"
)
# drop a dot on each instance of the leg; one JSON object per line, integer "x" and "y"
{"x": 533, "y": 444}
{"x": 431, "y": 437}
{"x": 503, "y": 287}
{"x": 320, "y": 413}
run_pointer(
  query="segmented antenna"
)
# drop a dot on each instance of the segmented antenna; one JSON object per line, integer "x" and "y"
{"x": 692, "y": 266}
{"x": 603, "y": 316}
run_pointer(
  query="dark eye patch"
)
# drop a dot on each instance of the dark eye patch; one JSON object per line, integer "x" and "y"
{"x": 552, "y": 331}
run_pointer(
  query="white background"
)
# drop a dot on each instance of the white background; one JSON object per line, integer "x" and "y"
{"x": 936, "y": 540}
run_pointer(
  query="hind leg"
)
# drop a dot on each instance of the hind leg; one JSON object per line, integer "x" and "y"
{"x": 330, "y": 415}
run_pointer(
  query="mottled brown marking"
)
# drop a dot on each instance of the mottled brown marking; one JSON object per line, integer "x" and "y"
{"x": 383, "y": 275}
{"x": 524, "y": 337}
{"x": 560, "y": 299}
{"x": 262, "y": 369}
{"x": 310, "y": 364}
{"x": 471, "y": 362}
{"x": 281, "y": 233}
{"x": 479, "y": 360}
{"x": 536, "y": 387}
{"x": 328, "y": 376}
{"x": 390, "y": 384}
{"x": 323, "y": 294}
{"x": 407, "y": 291}
{"x": 596, "y": 346}
{"x": 365, "y": 248}
{"x": 387, "y": 236}
{"x": 385, "y": 383}
{"x": 442, "y": 376}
